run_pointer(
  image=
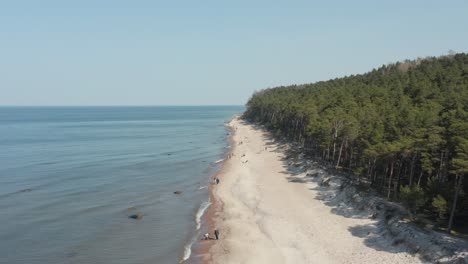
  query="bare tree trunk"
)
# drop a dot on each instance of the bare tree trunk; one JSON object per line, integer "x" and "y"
{"x": 384, "y": 178}
{"x": 420, "y": 176}
{"x": 397, "y": 185}
{"x": 439, "y": 173}
{"x": 374, "y": 177}
{"x": 374, "y": 170}
{"x": 369, "y": 169}
{"x": 455, "y": 198}
{"x": 341, "y": 150}
{"x": 334, "y": 149}
{"x": 413, "y": 161}
{"x": 390, "y": 181}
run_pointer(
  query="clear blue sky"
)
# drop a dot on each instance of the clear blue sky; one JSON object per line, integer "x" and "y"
{"x": 112, "y": 52}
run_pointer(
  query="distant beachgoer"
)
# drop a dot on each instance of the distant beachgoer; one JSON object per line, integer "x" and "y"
{"x": 216, "y": 233}
{"x": 217, "y": 180}
{"x": 206, "y": 236}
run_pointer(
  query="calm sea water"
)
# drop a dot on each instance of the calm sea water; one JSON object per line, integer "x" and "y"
{"x": 71, "y": 176}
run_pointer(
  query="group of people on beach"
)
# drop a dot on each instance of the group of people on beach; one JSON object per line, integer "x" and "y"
{"x": 216, "y": 180}
{"x": 245, "y": 161}
{"x": 215, "y": 233}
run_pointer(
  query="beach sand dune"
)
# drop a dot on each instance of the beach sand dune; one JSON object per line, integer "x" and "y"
{"x": 264, "y": 218}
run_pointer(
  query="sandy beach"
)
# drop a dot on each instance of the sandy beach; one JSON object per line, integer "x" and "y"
{"x": 264, "y": 217}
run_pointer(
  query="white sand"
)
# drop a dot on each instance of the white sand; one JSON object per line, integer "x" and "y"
{"x": 267, "y": 219}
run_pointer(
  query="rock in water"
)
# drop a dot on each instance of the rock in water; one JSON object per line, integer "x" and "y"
{"x": 136, "y": 216}
{"x": 177, "y": 192}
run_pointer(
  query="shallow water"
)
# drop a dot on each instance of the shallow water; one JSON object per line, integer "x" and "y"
{"x": 71, "y": 176}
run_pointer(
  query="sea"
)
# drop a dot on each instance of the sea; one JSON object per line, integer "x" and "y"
{"x": 71, "y": 177}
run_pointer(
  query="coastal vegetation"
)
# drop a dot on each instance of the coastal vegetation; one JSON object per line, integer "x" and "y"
{"x": 401, "y": 129}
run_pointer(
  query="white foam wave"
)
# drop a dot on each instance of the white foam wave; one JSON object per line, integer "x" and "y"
{"x": 187, "y": 251}
{"x": 200, "y": 213}
{"x": 198, "y": 216}
{"x": 218, "y": 161}
{"x": 202, "y": 187}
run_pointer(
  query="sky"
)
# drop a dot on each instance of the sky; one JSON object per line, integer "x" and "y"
{"x": 113, "y": 52}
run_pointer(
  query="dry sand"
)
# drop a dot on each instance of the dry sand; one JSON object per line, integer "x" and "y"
{"x": 264, "y": 218}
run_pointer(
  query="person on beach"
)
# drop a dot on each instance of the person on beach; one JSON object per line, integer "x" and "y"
{"x": 217, "y": 180}
{"x": 216, "y": 233}
{"x": 206, "y": 236}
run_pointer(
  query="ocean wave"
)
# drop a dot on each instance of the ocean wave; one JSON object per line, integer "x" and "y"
{"x": 200, "y": 213}
{"x": 218, "y": 161}
{"x": 188, "y": 250}
{"x": 198, "y": 216}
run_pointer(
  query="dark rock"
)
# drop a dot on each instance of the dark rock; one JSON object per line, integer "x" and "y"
{"x": 137, "y": 216}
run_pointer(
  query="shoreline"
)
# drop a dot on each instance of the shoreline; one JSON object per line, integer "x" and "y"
{"x": 200, "y": 248}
